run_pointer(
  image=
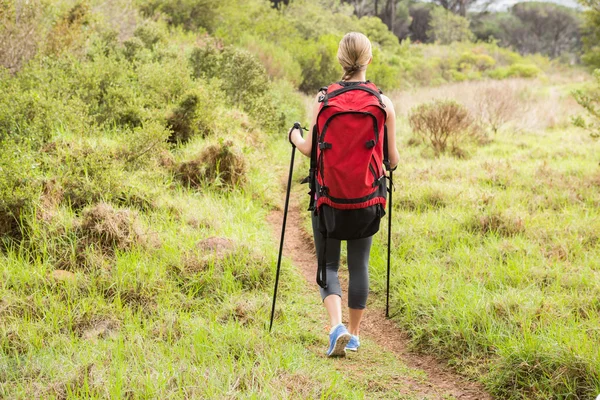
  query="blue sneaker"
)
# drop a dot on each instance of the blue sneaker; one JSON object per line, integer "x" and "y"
{"x": 353, "y": 344}
{"x": 338, "y": 339}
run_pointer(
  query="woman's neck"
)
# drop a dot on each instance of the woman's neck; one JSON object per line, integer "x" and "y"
{"x": 359, "y": 76}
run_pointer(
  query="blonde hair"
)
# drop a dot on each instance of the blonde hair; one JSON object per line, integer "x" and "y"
{"x": 354, "y": 53}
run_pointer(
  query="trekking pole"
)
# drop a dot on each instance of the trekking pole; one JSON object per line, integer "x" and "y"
{"x": 285, "y": 211}
{"x": 389, "y": 246}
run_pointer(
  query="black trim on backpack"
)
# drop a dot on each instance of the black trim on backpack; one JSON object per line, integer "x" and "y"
{"x": 376, "y": 193}
{"x": 312, "y": 173}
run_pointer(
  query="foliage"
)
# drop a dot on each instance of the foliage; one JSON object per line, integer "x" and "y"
{"x": 516, "y": 71}
{"x": 242, "y": 78}
{"x": 221, "y": 165}
{"x": 533, "y": 27}
{"x": 193, "y": 116}
{"x": 20, "y": 29}
{"x": 319, "y": 66}
{"x": 589, "y": 99}
{"x": 498, "y": 104}
{"x": 191, "y": 14}
{"x": 20, "y": 186}
{"x": 443, "y": 125}
{"x": 420, "y": 14}
{"x": 447, "y": 28}
{"x": 591, "y": 33}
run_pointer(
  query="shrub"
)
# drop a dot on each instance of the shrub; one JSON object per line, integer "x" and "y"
{"x": 447, "y": 28}
{"x": 223, "y": 165}
{"x": 479, "y": 62}
{"x": 144, "y": 144}
{"x": 149, "y": 33}
{"x": 68, "y": 33}
{"x": 497, "y": 104}
{"x": 88, "y": 173}
{"x": 517, "y": 70}
{"x": 243, "y": 79}
{"x": 443, "y": 123}
{"x": 590, "y": 100}
{"x": 20, "y": 29}
{"x": 20, "y": 186}
{"x": 319, "y": 63}
{"x": 278, "y": 62}
{"x": 191, "y": 14}
{"x": 194, "y": 115}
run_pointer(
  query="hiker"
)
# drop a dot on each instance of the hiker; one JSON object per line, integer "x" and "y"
{"x": 354, "y": 55}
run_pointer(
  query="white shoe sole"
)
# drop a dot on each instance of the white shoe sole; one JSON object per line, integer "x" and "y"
{"x": 339, "y": 348}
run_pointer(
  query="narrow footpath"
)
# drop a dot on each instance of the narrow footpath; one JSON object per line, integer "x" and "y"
{"x": 440, "y": 381}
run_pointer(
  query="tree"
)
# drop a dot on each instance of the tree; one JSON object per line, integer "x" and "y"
{"x": 456, "y": 6}
{"x": 394, "y": 13}
{"x": 446, "y": 28}
{"x": 589, "y": 99}
{"x": 548, "y": 28}
{"x": 420, "y": 15}
{"x": 591, "y": 33}
{"x": 533, "y": 27}
{"x": 278, "y": 3}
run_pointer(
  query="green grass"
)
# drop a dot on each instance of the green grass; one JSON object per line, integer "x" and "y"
{"x": 496, "y": 261}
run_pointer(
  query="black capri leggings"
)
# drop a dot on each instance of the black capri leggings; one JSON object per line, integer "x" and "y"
{"x": 358, "y": 267}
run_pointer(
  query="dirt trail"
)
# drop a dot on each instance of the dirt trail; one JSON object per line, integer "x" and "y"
{"x": 441, "y": 381}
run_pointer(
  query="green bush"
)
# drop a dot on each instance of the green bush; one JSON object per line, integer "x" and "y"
{"x": 516, "y": 71}
{"x": 479, "y": 62}
{"x": 87, "y": 172}
{"x": 20, "y": 184}
{"x": 243, "y": 79}
{"x": 447, "y": 27}
{"x": 191, "y": 14}
{"x": 194, "y": 115}
{"x": 319, "y": 63}
{"x": 590, "y": 100}
{"x": 278, "y": 62}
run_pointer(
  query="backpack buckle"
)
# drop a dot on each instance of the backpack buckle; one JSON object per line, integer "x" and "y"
{"x": 324, "y": 145}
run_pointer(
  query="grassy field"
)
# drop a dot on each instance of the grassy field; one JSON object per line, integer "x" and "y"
{"x": 497, "y": 257}
{"x": 141, "y": 151}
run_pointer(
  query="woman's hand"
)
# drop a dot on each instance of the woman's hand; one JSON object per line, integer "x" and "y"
{"x": 294, "y": 135}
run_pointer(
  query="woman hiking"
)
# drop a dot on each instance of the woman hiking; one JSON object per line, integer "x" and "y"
{"x": 354, "y": 55}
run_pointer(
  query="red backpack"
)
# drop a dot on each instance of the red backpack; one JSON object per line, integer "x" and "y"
{"x": 347, "y": 177}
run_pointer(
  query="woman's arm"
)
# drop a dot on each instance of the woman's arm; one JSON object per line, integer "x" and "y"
{"x": 305, "y": 144}
{"x": 390, "y": 124}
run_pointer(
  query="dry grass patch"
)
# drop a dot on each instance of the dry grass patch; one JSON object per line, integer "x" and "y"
{"x": 496, "y": 223}
{"x": 223, "y": 165}
{"x": 109, "y": 229}
{"x": 523, "y": 104}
